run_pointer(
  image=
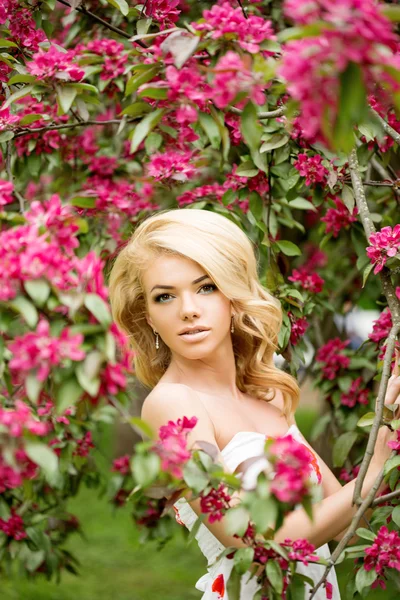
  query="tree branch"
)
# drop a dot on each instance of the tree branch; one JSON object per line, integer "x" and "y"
{"x": 70, "y": 126}
{"x": 389, "y": 130}
{"x": 386, "y": 497}
{"x": 278, "y": 112}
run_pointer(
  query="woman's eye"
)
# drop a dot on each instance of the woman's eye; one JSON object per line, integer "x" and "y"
{"x": 161, "y": 297}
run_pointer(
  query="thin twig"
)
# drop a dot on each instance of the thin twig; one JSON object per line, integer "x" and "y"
{"x": 278, "y": 112}
{"x": 243, "y": 9}
{"x": 386, "y": 497}
{"x": 70, "y": 126}
{"x": 389, "y": 130}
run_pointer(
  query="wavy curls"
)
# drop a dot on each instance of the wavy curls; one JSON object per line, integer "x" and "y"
{"x": 227, "y": 255}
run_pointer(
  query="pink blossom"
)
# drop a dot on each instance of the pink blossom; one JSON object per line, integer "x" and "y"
{"x": 356, "y": 393}
{"x": 7, "y": 119}
{"x": 19, "y": 419}
{"x": 347, "y": 476}
{"x": 58, "y": 219}
{"x": 339, "y": 218}
{"x": 384, "y": 552}
{"x": 186, "y": 84}
{"x": 6, "y": 190}
{"x": 395, "y": 444}
{"x": 303, "y": 11}
{"x": 292, "y": 467}
{"x": 301, "y": 550}
{"x": 53, "y": 64}
{"x": 214, "y": 503}
{"x": 23, "y": 29}
{"x": 383, "y": 245}
{"x": 309, "y": 281}
{"x": 166, "y": 12}
{"x": 84, "y": 445}
{"x": 381, "y": 326}
{"x": 311, "y": 168}
{"x": 13, "y": 527}
{"x": 12, "y": 477}
{"x": 38, "y": 351}
{"x": 115, "y": 58}
{"x": 122, "y": 465}
{"x": 331, "y": 358}
{"x": 233, "y": 76}
{"x": 171, "y": 165}
{"x": 172, "y": 445}
{"x": 225, "y": 20}
{"x": 299, "y": 326}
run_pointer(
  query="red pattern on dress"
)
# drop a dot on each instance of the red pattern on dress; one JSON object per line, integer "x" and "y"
{"x": 218, "y": 586}
{"x": 177, "y": 517}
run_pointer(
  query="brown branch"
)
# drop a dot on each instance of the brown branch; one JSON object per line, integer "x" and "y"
{"x": 243, "y": 9}
{"x": 389, "y": 130}
{"x": 70, "y": 126}
{"x": 89, "y": 13}
{"x": 386, "y": 497}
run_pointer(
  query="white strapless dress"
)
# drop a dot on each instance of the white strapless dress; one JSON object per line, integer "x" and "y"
{"x": 244, "y": 445}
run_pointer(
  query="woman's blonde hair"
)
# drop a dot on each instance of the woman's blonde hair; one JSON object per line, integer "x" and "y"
{"x": 227, "y": 255}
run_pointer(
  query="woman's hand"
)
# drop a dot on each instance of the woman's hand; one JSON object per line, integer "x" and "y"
{"x": 385, "y": 435}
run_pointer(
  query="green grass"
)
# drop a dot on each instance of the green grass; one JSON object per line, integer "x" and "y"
{"x": 114, "y": 566}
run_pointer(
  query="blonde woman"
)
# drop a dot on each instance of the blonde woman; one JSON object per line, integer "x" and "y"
{"x": 186, "y": 291}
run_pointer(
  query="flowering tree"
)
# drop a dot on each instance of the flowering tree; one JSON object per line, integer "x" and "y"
{"x": 284, "y": 117}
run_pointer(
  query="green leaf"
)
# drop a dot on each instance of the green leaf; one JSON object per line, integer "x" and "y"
{"x": 157, "y": 93}
{"x": 21, "y": 78}
{"x": 83, "y": 201}
{"x": 87, "y": 373}
{"x": 8, "y": 44}
{"x": 68, "y": 393}
{"x": 28, "y": 119}
{"x": 342, "y": 446}
{"x": 348, "y": 198}
{"x": 276, "y": 141}
{"x": 263, "y": 513}
{"x": 396, "y": 515}
{"x": 153, "y": 142}
{"x": 237, "y": 520}
{"x": 65, "y": 95}
{"x": 366, "y": 273}
{"x": 44, "y": 457}
{"x": 274, "y": 574}
{"x": 143, "y": 128}
{"x": 17, "y": 96}
{"x": 366, "y": 534}
{"x": 302, "y": 204}
{"x": 142, "y": 77}
{"x": 391, "y": 464}
{"x": 122, "y": 5}
{"x": 141, "y": 427}
{"x": 352, "y": 107}
{"x": 256, "y": 205}
{"x": 98, "y": 308}
{"x": 391, "y": 11}
{"x": 366, "y": 420}
{"x": 136, "y": 109}
{"x": 233, "y": 585}
{"x": 243, "y": 559}
{"x": 288, "y": 248}
{"x": 26, "y": 309}
{"x": 6, "y": 136}
{"x": 33, "y": 387}
{"x": 296, "y": 588}
{"x": 211, "y": 129}
{"x": 194, "y": 477}
{"x": 145, "y": 468}
{"x": 250, "y": 127}
{"x": 38, "y": 289}
{"x": 247, "y": 169}
{"x": 365, "y": 579}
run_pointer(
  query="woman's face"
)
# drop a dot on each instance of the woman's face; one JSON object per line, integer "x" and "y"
{"x": 179, "y": 294}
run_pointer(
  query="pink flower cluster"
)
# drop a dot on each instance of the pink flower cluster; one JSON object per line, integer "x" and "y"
{"x": 13, "y": 527}
{"x": 84, "y": 445}
{"x": 12, "y": 477}
{"x": 310, "y": 281}
{"x": 395, "y": 444}
{"x": 171, "y": 166}
{"x": 53, "y": 64}
{"x": 332, "y": 359}
{"x": 384, "y": 552}
{"x": 22, "y": 27}
{"x": 20, "y": 419}
{"x": 225, "y": 20}
{"x": 122, "y": 465}
{"x": 165, "y": 12}
{"x": 347, "y": 476}
{"x": 299, "y": 326}
{"x": 114, "y": 55}
{"x": 233, "y": 76}
{"x": 357, "y": 394}
{"x": 292, "y": 467}
{"x": 381, "y": 326}
{"x": 172, "y": 445}
{"x": 7, "y": 119}
{"x": 215, "y": 503}
{"x": 356, "y": 32}
{"x": 37, "y": 352}
{"x": 383, "y": 245}
{"x": 6, "y": 190}
{"x": 186, "y": 84}
{"x": 301, "y": 550}
{"x": 338, "y": 218}
{"x": 311, "y": 168}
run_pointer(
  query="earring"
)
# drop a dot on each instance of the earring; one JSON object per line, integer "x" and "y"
{"x": 232, "y": 325}
{"x": 157, "y": 342}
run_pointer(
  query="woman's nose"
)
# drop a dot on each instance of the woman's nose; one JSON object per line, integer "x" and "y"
{"x": 189, "y": 308}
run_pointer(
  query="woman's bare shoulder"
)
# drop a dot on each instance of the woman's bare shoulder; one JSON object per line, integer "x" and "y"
{"x": 172, "y": 401}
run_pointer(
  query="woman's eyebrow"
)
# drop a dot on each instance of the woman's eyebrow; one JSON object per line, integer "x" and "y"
{"x": 171, "y": 287}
